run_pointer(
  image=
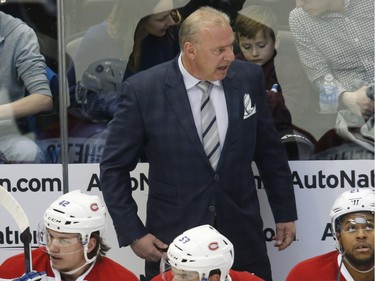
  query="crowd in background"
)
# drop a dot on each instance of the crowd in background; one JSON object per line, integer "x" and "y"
{"x": 102, "y": 52}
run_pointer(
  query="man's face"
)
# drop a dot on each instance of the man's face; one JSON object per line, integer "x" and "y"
{"x": 66, "y": 250}
{"x": 212, "y": 54}
{"x": 314, "y": 7}
{"x": 357, "y": 239}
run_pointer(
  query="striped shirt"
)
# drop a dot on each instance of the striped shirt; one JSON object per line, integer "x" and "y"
{"x": 340, "y": 44}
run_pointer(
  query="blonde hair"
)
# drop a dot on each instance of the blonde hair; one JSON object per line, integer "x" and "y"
{"x": 201, "y": 19}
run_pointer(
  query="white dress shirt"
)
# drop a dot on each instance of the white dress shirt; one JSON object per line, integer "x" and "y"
{"x": 217, "y": 97}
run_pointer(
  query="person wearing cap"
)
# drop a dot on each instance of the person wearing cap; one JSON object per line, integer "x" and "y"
{"x": 72, "y": 246}
{"x": 256, "y": 30}
{"x": 352, "y": 218}
{"x": 257, "y": 37}
{"x": 200, "y": 254}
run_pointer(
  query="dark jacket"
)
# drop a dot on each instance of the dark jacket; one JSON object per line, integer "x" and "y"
{"x": 184, "y": 190}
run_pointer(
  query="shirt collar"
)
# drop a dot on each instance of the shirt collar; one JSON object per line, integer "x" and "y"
{"x": 189, "y": 80}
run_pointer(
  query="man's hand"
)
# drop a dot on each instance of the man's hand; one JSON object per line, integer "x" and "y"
{"x": 359, "y": 103}
{"x": 32, "y": 276}
{"x": 149, "y": 248}
{"x": 285, "y": 234}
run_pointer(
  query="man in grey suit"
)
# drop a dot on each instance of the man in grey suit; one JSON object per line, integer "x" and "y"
{"x": 161, "y": 114}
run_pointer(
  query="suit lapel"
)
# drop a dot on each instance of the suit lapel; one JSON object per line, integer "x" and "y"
{"x": 234, "y": 107}
{"x": 177, "y": 96}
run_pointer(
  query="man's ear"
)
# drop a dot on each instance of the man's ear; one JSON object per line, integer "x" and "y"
{"x": 338, "y": 237}
{"x": 92, "y": 244}
{"x": 214, "y": 277}
{"x": 189, "y": 50}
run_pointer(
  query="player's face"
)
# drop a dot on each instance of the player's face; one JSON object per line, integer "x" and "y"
{"x": 259, "y": 50}
{"x": 183, "y": 275}
{"x": 65, "y": 250}
{"x": 357, "y": 239}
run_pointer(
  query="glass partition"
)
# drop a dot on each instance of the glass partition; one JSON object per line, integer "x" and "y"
{"x": 107, "y": 41}
{"x": 62, "y": 64}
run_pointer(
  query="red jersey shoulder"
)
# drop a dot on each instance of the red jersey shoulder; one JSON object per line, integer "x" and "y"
{"x": 14, "y": 266}
{"x": 243, "y": 276}
{"x": 323, "y": 267}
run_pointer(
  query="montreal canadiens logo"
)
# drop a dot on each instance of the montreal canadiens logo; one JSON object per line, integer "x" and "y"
{"x": 213, "y": 246}
{"x": 94, "y": 207}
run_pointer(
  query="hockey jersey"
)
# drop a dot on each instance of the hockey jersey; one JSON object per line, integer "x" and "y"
{"x": 105, "y": 269}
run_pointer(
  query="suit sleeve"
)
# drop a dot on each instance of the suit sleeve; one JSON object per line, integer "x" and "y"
{"x": 120, "y": 157}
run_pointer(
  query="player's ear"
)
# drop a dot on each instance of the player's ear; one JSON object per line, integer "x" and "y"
{"x": 92, "y": 244}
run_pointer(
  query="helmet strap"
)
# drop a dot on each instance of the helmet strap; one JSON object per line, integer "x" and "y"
{"x": 88, "y": 261}
{"x": 85, "y": 250}
{"x": 75, "y": 270}
{"x": 360, "y": 271}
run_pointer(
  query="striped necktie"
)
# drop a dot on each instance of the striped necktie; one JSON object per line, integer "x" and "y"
{"x": 210, "y": 132}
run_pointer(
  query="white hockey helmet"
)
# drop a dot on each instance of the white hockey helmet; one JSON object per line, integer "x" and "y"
{"x": 76, "y": 212}
{"x": 201, "y": 249}
{"x": 351, "y": 201}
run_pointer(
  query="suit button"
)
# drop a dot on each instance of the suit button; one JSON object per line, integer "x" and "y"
{"x": 216, "y": 177}
{"x": 211, "y": 208}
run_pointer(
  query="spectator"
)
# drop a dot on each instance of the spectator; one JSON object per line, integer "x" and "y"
{"x": 129, "y": 27}
{"x": 230, "y": 7}
{"x": 352, "y": 218}
{"x": 152, "y": 24}
{"x": 23, "y": 69}
{"x": 110, "y": 39}
{"x": 160, "y": 113}
{"x": 257, "y": 36}
{"x": 155, "y": 38}
{"x": 201, "y": 253}
{"x": 337, "y": 37}
{"x": 74, "y": 249}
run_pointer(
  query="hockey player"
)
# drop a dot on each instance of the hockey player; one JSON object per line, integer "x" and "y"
{"x": 201, "y": 254}
{"x": 352, "y": 217}
{"x": 72, "y": 246}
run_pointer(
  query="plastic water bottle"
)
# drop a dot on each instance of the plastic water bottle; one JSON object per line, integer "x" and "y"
{"x": 328, "y": 97}
{"x": 275, "y": 88}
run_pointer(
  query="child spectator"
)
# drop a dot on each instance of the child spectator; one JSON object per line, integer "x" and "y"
{"x": 257, "y": 37}
{"x": 256, "y": 34}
